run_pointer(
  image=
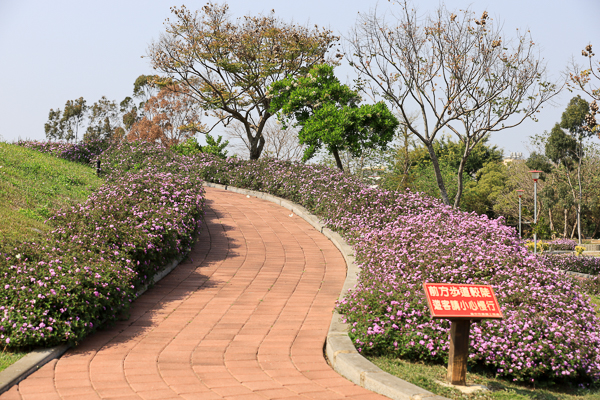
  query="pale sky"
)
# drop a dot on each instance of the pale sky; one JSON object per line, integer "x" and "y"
{"x": 59, "y": 50}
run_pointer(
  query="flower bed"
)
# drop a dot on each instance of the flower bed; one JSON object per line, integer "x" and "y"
{"x": 582, "y": 264}
{"x": 76, "y": 152}
{"x": 562, "y": 244}
{"x": 89, "y": 270}
{"x": 550, "y": 330}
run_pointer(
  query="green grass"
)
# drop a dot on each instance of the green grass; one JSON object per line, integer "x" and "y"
{"x": 425, "y": 376}
{"x": 32, "y": 186}
{"x": 7, "y": 359}
{"x": 595, "y": 300}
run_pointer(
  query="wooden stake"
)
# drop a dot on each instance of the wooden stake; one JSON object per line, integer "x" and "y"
{"x": 459, "y": 352}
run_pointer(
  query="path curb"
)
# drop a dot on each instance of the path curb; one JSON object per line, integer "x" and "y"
{"x": 339, "y": 348}
{"x": 27, "y": 365}
{"x": 36, "y": 359}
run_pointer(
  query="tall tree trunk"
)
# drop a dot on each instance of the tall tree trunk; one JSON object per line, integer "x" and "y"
{"x": 461, "y": 168}
{"x": 551, "y": 219}
{"x": 566, "y": 214}
{"x": 575, "y": 200}
{"x": 574, "y": 227}
{"x": 338, "y": 161}
{"x": 406, "y": 171}
{"x": 438, "y": 173}
{"x": 256, "y": 145}
{"x": 580, "y": 192}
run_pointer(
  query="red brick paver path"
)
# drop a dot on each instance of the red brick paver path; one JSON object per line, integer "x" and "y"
{"x": 245, "y": 317}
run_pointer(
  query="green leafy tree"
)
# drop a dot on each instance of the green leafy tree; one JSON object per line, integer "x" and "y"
{"x": 104, "y": 121}
{"x": 557, "y": 189}
{"x": 451, "y": 152}
{"x": 73, "y": 115}
{"x": 539, "y": 162}
{"x": 507, "y": 201}
{"x": 64, "y": 125}
{"x": 414, "y": 167}
{"x": 130, "y": 113}
{"x": 54, "y": 128}
{"x": 191, "y": 147}
{"x": 228, "y": 65}
{"x": 423, "y": 178}
{"x": 145, "y": 87}
{"x": 330, "y": 115}
{"x": 398, "y": 176}
{"x": 575, "y": 119}
{"x": 215, "y": 147}
{"x": 481, "y": 194}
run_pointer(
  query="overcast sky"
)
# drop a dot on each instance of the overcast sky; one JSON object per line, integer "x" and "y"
{"x": 54, "y": 51}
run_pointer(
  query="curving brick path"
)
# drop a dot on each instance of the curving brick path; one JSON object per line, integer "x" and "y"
{"x": 244, "y": 317}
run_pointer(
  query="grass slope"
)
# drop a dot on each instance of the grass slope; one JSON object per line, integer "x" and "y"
{"x": 32, "y": 186}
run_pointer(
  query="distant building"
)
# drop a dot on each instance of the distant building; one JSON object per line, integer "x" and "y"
{"x": 373, "y": 174}
{"x": 513, "y": 157}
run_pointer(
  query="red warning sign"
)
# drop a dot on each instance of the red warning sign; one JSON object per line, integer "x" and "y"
{"x": 456, "y": 301}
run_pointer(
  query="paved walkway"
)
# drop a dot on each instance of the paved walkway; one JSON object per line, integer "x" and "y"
{"x": 245, "y": 317}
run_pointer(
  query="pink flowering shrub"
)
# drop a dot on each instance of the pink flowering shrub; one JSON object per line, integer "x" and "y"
{"x": 76, "y": 152}
{"x": 550, "y": 330}
{"x": 562, "y": 244}
{"x": 88, "y": 271}
{"x": 581, "y": 264}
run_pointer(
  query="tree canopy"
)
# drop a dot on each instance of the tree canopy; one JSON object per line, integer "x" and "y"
{"x": 169, "y": 117}
{"x": 64, "y": 125}
{"x": 588, "y": 81}
{"x": 457, "y": 70}
{"x": 228, "y": 65}
{"x": 330, "y": 115}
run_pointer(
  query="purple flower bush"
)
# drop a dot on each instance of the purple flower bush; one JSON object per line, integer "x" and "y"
{"x": 582, "y": 264}
{"x": 550, "y": 330}
{"x": 562, "y": 244}
{"x": 88, "y": 270}
{"x": 82, "y": 152}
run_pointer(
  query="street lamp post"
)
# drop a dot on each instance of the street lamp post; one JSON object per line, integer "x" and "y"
{"x": 535, "y": 175}
{"x": 520, "y": 193}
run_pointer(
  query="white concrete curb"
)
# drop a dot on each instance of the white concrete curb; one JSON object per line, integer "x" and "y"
{"x": 340, "y": 350}
{"x": 27, "y": 365}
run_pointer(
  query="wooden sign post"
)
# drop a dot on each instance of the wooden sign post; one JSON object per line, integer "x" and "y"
{"x": 461, "y": 304}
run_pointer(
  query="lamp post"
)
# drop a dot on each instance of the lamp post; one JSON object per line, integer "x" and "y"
{"x": 535, "y": 175}
{"x": 520, "y": 193}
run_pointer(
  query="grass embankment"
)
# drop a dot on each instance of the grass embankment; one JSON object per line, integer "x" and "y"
{"x": 32, "y": 186}
{"x": 425, "y": 376}
{"x": 8, "y": 358}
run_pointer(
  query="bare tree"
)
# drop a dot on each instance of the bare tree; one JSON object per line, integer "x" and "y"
{"x": 280, "y": 143}
{"x": 228, "y": 65}
{"x": 588, "y": 80}
{"x": 456, "y": 70}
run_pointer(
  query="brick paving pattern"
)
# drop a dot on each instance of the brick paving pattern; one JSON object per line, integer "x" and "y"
{"x": 243, "y": 318}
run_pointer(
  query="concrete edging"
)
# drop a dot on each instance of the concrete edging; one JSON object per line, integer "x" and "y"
{"x": 27, "y": 365}
{"x": 36, "y": 359}
{"x": 340, "y": 350}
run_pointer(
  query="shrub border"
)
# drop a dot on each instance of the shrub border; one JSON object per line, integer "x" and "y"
{"x": 36, "y": 359}
{"x": 340, "y": 350}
